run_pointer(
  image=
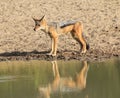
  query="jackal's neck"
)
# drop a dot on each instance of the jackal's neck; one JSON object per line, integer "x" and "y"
{"x": 46, "y": 27}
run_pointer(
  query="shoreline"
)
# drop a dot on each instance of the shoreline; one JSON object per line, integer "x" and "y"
{"x": 91, "y": 55}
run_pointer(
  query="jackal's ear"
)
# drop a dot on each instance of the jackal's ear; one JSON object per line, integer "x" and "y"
{"x": 43, "y": 17}
{"x": 34, "y": 19}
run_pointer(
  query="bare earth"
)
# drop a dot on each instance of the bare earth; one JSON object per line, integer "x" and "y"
{"x": 100, "y": 18}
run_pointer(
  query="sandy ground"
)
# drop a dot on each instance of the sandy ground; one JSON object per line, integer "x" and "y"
{"x": 100, "y": 18}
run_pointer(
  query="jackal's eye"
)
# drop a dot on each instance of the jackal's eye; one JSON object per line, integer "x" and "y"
{"x": 38, "y": 24}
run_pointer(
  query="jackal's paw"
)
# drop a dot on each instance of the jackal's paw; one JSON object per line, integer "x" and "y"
{"x": 49, "y": 53}
{"x": 54, "y": 54}
{"x": 83, "y": 51}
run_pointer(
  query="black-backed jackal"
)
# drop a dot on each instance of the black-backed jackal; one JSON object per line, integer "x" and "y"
{"x": 54, "y": 30}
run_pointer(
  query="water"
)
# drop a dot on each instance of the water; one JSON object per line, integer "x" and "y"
{"x": 60, "y": 79}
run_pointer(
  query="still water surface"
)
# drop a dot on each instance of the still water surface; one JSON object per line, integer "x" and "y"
{"x": 60, "y": 79}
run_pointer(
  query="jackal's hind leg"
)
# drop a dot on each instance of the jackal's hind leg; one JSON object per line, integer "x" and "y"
{"x": 81, "y": 41}
{"x": 83, "y": 44}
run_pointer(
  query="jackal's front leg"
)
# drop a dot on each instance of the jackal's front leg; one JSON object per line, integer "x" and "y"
{"x": 55, "y": 41}
{"x": 52, "y": 47}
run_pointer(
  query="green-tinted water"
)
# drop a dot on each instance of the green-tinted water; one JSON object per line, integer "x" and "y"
{"x": 60, "y": 79}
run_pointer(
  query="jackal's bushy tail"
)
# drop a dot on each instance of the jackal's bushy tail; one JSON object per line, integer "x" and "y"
{"x": 87, "y": 46}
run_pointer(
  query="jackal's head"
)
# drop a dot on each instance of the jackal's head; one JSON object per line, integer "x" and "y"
{"x": 40, "y": 24}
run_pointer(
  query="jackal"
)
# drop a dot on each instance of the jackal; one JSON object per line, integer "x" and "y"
{"x": 55, "y": 29}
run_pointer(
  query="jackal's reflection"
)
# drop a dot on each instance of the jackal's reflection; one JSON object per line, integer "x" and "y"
{"x": 65, "y": 84}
